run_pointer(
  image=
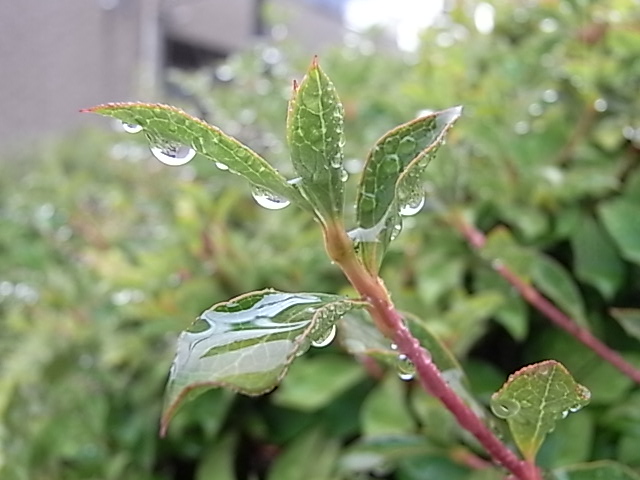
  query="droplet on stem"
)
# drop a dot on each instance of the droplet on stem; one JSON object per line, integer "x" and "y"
{"x": 405, "y": 367}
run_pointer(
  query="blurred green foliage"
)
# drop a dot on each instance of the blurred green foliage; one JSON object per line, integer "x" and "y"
{"x": 106, "y": 255}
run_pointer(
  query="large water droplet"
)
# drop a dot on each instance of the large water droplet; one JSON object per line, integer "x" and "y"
{"x": 131, "y": 127}
{"x": 504, "y": 408}
{"x": 174, "y": 155}
{"x": 413, "y": 206}
{"x": 484, "y": 18}
{"x": 269, "y": 200}
{"x": 405, "y": 367}
{"x": 325, "y": 339}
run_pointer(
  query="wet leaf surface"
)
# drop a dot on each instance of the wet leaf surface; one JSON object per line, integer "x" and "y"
{"x": 248, "y": 343}
{"x": 533, "y": 399}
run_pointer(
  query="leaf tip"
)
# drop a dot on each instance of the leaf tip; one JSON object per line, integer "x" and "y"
{"x": 314, "y": 62}
{"x": 295, "y": 85}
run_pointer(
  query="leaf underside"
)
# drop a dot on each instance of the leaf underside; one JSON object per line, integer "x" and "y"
{"x": 533, "y": 399}
{"x": 248, "y": 343}
{"x": 392, "y": 178}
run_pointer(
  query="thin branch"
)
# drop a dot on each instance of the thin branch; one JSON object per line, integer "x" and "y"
{"x": 391, "y": 323}
{"x": 477, "y": 240}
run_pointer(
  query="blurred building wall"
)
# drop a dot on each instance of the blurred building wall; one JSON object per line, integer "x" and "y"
{"x": 59, "y": 56}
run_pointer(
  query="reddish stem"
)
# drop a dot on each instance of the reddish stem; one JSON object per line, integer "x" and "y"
{"x": 390, "y": 322}
{"x": 477, "y": 240}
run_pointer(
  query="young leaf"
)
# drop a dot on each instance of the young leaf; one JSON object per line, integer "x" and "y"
{"x": 391, "y": 180}
{"x": 601, "y": 470}
{"x": 165, "y": 125}
{"x": 533, "y": 399}
{"x": 248, "y": 343}
{"x": 315, "y": 136}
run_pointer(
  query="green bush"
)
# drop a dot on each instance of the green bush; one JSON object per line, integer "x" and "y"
{"x": 107, "y": 255}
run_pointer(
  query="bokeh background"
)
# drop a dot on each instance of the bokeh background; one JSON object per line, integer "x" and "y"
{"x": 106, "y": 254}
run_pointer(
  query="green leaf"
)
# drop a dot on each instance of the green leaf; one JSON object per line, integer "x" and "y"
{"x": 313, "y": 383}
{"x": 391, "y": 181}
{"x": 533, "y": 399}
{"x": 553, "y": 280}
{"x": 621, "y": 219}
{"x": 385, "y": 412}
{"x": 383, "y": 452}
{"x": 312, "y": 446}
{"x": 595, "y": 258}
{"x": 165, "y": 125}
{"x": 501, "y": 247}
{"x": 218, "y": 462}
{"x": 601, "y": 470}
{"x": 316, "y": 137}
{"x": 248, "y": 343}
{"x": 629, "y": 320}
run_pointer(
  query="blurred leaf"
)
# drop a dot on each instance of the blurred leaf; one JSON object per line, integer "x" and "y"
{"x": 316, "y": 137}
{"x": 219, "y": 460}
{"x": 500, "y": 246}
{"x": 431, "y": 466}
{"x": 533, "y": 399}
{"x": 629, "y": 320}
{"x": 595, "y": 258}
{"x": 392, "y": 180}
{"x": 601, "y": 470}
{"x": 313, "y": 383}
{"x": 571, "y": 442}
{"x": 554, "y": 281}
{"x": 248, "y": 343}
{"x": 166, "y": 126}
{"x": 385, "y": 412}
{"x": 380, "y": 453}
{"x": 620, "y": 217}
{"x": 313, "y": 446}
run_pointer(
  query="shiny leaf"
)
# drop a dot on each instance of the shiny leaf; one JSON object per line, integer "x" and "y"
{"x": 165, "y": 125}
{"x": 391, "y": 180}
{"x": 248, "y": 343}
{"x": 533, "y": 399}
{"x": 315, "y": 136}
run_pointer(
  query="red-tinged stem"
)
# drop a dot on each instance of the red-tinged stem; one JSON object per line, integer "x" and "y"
{"x": 390, "y": 322}
{"x": 477, "y": 240}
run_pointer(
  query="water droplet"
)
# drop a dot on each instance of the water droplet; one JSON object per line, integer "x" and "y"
{"x": 268, "y": 200}
{"x": 405, "y": 367}
{"x": 393, "y": 347}
{"x": 565, "y": 414}
{"x": 548, "y": 25}
{"x": 222, "y": 166}
{"x": 521, "y": 127}
{"x": 325, "y": 339}
{"x": 424, "y": 112}
{"x": 600, "y": 105}
{"x": 173, "y": 154}
{"x": 584, "y": 393}
{"x": 484, "y": 18}
{"x": 344, "y": 175}
{"x": 550, "y": 96}
{"x": 336, "y": 160}
{"x": 504, "y": 408}
{"x": 535, "y": 109}
{"x": 225, "y": 73}
{"x": 407, "y": 145}
{"x": 131, "y": 127}
{"x": 413, "y": 206}
{"x": 575, "y": 408}
{"x": 397, "y": 228}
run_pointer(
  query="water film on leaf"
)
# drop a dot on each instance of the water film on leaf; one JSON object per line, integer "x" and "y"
{"x": 248, "y": 343}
